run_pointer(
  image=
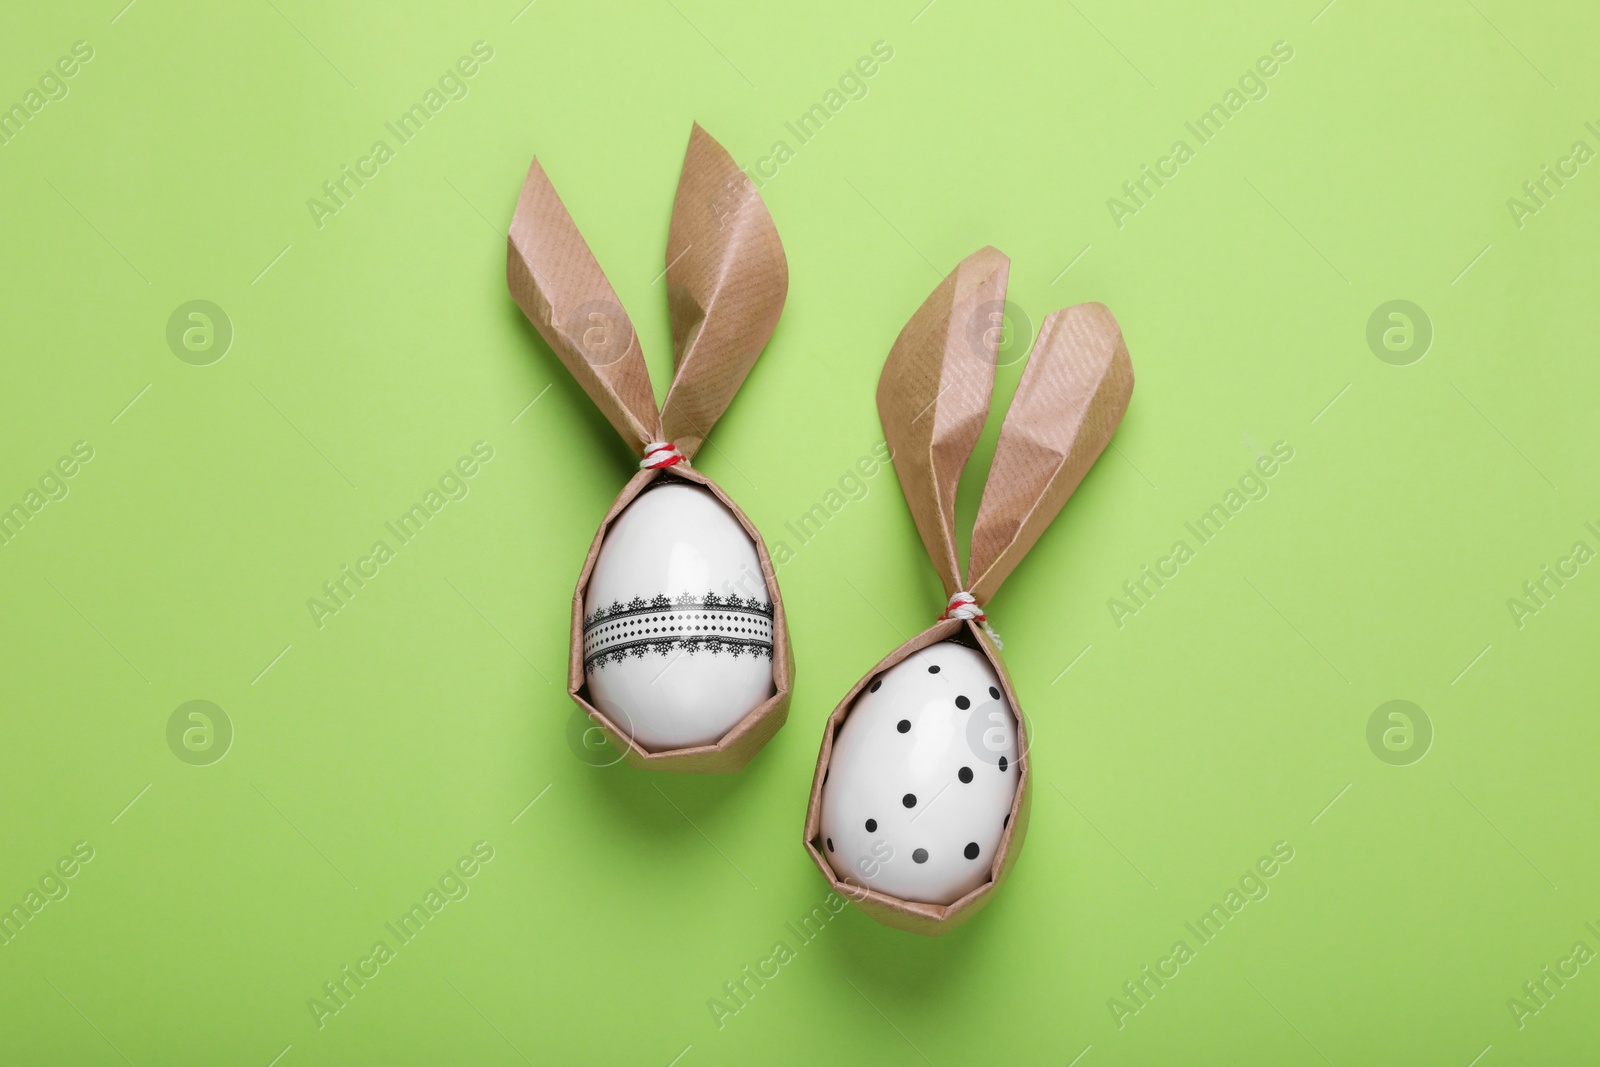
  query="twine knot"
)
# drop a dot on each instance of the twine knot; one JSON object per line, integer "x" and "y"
{"x": 658, "y": 454}
{"x": 964, "y": 605}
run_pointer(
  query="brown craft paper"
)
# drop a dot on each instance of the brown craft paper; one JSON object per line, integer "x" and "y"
{"x": 933, "y": 399}
{"x": 727, "y": 278}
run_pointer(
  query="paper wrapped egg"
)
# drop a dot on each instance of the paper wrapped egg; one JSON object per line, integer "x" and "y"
{"x": 922, "y": 777}
{"x": 677, "y": 629}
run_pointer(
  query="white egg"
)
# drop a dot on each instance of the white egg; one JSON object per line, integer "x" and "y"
{"x": 921, "y": 779}
{"x": 677, "y": 637}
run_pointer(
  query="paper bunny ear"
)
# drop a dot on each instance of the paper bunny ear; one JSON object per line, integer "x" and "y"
{"x": 727, "y": 278}
{"x": 933, "y": 397}
{"x": 726, "y": 282}
{"x": 555, "y": 279}
{"x": 1069, "y": 402}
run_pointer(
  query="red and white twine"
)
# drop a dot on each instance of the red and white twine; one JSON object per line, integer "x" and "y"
{"x": 964, "y": 605}
{"x": 658, "y": 454}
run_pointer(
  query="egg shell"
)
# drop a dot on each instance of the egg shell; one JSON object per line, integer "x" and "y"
{"x": 746, "y": 736}
{"x": 915, "y": 916}
{"x": 922, "y": 777}
{"x": 677, "y": 638}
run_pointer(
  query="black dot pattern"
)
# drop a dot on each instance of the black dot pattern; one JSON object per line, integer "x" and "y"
{"x": 932, "y": 704}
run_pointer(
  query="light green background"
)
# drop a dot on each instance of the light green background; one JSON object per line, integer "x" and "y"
{"x": 1227, "y": 715}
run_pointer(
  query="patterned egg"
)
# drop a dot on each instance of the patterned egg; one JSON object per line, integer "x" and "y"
{"x": 921, "y": 779}
{"x": 677, "y": 634}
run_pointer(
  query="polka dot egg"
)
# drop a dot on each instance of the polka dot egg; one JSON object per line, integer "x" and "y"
{"x": 921, "y": 778}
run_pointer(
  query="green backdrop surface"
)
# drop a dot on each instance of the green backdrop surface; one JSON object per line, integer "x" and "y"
{"x": 1250, "y": 188}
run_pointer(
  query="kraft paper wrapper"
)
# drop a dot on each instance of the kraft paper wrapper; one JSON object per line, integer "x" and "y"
{"x": 933, "y": 399}
{"x": 749, "y": 734}
{"x": 926, "y": 919}
{"x": 727, "y": 278}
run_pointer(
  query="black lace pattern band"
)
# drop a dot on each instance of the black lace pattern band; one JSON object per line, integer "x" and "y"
{"x": 688, "y": 623}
